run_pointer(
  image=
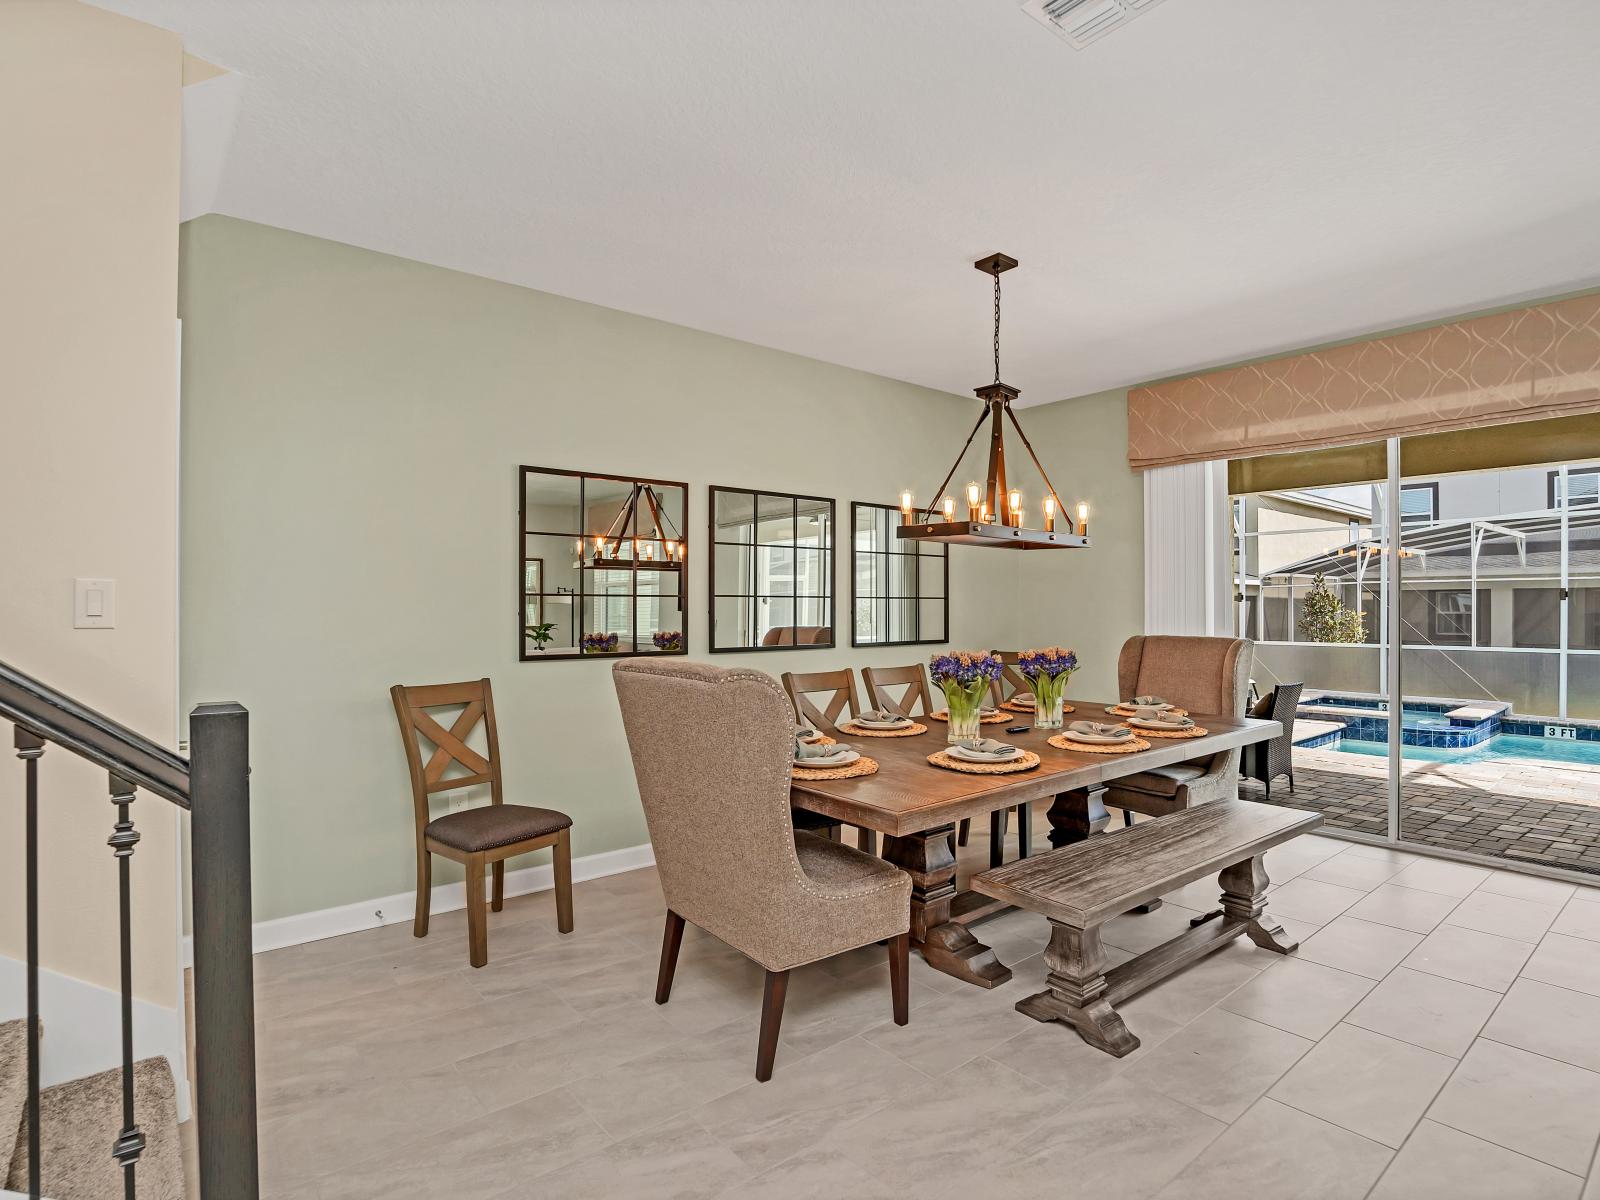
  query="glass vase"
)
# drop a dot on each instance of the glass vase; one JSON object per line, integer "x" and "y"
{"x": 1048, "y": 693}
{"x": 964, "y": 707}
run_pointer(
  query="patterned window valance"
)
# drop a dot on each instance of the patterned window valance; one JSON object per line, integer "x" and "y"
{"x": 1542, "y": 361}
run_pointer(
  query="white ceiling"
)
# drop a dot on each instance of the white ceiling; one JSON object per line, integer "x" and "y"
{"x": 1217, "y": 180}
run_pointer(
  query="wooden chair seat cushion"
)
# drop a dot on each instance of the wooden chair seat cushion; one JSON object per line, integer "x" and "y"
{"x": 494, "y": 825}
{"x": 803, "y": 818}
{"x": 1162, "y": 781}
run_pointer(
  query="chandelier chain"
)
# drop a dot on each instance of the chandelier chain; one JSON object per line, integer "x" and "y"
{"x": 997, "y": 327}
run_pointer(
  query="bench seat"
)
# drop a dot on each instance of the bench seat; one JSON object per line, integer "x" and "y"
{"x": 1082, "y": 886}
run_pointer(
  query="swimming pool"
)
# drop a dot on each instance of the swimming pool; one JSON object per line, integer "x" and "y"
{"x": 1499, "y": 748}
{"x": 1413, "y": 715}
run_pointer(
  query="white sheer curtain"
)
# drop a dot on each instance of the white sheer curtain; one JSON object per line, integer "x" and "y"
{"x": 1186, "y": 555}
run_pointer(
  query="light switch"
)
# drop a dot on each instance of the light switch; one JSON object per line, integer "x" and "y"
{"x": 94, "y": 603}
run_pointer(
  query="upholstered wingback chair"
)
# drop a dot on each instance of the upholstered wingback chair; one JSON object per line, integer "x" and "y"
{"x": 712, "y": 752}
{"x": 1203, "y": 675}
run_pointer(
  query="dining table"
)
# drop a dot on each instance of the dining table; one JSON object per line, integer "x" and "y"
{"x": 916, "y": 805}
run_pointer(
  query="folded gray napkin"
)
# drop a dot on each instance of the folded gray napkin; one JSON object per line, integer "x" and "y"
{"x": 1025, "y": 699}
{"x": 988, "y": 746}
{"x": 1100, "y": 729}
{"x": 1147, "y": 701}
{"x": 805, "y": 733}
{"x": 803, "y": 751}
{"x": 881, "y": 715}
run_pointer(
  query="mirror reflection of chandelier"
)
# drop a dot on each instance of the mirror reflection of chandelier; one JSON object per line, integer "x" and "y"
{"x": 993, "y": 511}
{"x": 628, "y": 542}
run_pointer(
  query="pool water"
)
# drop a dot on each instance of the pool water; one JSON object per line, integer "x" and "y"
{"x": 1499, "y": 748}
{"x": 1411, "y": 715}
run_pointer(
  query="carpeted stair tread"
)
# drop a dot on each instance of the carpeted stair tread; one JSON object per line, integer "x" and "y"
{"x": 13, "y": 1088}
{"x": 80, "y": 1121}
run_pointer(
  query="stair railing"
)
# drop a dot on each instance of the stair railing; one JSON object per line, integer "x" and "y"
{"x": 213, "y": 785}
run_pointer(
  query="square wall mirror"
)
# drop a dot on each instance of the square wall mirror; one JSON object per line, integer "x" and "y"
{"x": 900, "y": 589}
{"x": 771, "y": 571}
{"x": 601, "y": 565}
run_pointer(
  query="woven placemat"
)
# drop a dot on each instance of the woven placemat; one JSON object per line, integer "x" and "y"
{"x": 1122, "y": 710}
{"x": 998, "y": 718}
{"x": 1029, "y": 709}
{"x": 1193, "y": 731}
{"x": 1062, "y": 742}
{"x": 1027, "y": 762}
{"x": 910, "y": 730}
{"x": 861, "y": 766}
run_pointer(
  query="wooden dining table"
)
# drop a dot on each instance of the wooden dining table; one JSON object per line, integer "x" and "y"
{"x": 916, "y": 806}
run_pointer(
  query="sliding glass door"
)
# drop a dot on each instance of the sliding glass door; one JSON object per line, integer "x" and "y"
{"x": 1444, "y": 626}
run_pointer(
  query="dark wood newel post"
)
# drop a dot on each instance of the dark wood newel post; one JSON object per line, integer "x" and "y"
{"x": 224, "y": 1002}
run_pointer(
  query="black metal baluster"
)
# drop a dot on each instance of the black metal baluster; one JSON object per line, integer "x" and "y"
{"x": 30, "y": 747}
{"x": 122, "y": 841}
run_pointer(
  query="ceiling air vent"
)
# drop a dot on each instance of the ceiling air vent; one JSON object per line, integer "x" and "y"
{"x": 1083, "y": 21}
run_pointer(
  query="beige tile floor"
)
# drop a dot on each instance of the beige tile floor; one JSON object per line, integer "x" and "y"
{"x": 1437, "y": 1035}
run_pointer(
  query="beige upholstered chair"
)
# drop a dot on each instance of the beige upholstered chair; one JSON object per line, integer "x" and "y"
{"x": 1204, "y": 675}
{"x": 712, "y": 751}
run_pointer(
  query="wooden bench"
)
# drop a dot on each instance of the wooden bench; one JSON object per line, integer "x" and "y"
{"x": 1081, "y": 887}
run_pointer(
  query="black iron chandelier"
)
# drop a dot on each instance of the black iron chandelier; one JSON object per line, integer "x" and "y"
{"x": 994, "y": 511}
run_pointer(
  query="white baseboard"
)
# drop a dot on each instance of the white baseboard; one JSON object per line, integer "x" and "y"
{"x": 83, "y": 1027}
{"x": 447, "y": 897}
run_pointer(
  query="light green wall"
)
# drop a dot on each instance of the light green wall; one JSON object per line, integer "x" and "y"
{"x": 1092, "y": 600}
{"x": 352, "y": 427}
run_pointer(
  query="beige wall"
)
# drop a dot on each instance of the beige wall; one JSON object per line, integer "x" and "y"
{"x": 89, "y": 146}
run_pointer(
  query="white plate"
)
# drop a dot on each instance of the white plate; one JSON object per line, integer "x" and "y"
{"x": 1093, "y": 738}
{"x": 972, "y": 756}
{"x": 843, "y": 759}
{"x": 1168, "y": 726}
{"x": 1162, "y": 707}
{"x": 897, "y": 723}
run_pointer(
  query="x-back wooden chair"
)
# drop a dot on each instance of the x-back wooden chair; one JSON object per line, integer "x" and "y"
{"x": 917, "y": 694}
{"x": 837, "y": 692}
{"x": 475, "y": 837}
{"x": 1010, "y": 683}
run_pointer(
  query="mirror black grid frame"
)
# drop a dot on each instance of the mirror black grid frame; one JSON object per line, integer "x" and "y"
{"x": 582, "y": 594}
{"x": 889, "y": 516}
{"x": 754, "y": 597}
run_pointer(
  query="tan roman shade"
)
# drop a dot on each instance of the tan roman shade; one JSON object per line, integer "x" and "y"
{"x": 1542, "y": 361}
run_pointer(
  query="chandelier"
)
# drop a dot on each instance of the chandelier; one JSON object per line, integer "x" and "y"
{"x": 993, "y": 511}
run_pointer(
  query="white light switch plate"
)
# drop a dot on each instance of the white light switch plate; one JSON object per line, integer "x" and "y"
{"x": 94, "y": 603}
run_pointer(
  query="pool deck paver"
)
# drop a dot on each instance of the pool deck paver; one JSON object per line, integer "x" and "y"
{"x": 1519, "y": 810}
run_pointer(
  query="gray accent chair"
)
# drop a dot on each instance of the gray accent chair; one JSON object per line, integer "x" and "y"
{"x": 1203, "y": 675}
{"x": 712, "y": 753}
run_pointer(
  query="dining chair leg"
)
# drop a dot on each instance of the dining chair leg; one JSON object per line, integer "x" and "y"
{"x": 900, "y": 977}
{"x": 419, "y": 927}
{"x": 867, "y": 839}
{"x": 1024, "y": 830}
{"x": 963, "y": 831}
{"x": 497, "y": 885}
{"x": 1127, "y": 818}
{"x": 477, "y": 917}
{"x": 997, "y": 837}
{"x": 772, "y": 994}
{"x": 671, "y": 939}
{"x": 561, "y": 859}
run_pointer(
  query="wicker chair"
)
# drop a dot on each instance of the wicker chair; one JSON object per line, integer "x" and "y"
{"x": 712, "y": 752}
{"x": 1266, "y": 761}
